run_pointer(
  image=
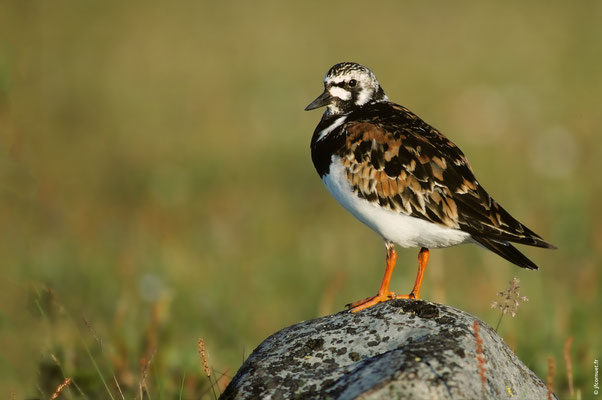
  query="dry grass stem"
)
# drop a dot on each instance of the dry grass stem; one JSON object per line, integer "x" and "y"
{"x": 60, "y": 388}
{"x": 118, "y": 386}
{"x": 223, "y": 380}
{"x": 92, "y": 331}
{"x": 207, "y": 368}
{"x": 203, "y": 355}
{"x": 144, "y": 364}
{"x": 550, "y": 377}
{"x": 569, "y": 365}
{"x": 510, "y": 300}
{"x": 480, "y": 358}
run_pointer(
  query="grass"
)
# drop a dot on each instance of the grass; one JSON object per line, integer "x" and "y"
{"x": 480, "y": 360}
{"x": 155, "y": 180}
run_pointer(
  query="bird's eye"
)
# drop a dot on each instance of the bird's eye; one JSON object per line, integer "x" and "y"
{"x": 352, "y": 83}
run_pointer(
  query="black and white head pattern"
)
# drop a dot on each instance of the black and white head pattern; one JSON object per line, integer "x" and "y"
{"x": 351, "y": 85}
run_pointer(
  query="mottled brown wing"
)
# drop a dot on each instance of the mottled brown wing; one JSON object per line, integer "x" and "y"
{"x": 407, "y": 166}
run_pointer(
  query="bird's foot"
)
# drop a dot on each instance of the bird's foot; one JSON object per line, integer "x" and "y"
{"x": 379, "y": 298}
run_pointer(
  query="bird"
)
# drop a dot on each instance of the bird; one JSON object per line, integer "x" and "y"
{"x": 404, "y": 179}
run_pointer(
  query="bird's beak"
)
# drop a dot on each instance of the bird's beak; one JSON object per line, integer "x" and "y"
{"x": 322, "y": 100}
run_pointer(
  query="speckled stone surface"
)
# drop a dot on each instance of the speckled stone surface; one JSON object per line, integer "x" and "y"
{"x": 398, "y": 349}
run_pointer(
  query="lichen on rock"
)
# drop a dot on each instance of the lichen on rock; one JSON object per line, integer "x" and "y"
{"x": 398, "y": 349}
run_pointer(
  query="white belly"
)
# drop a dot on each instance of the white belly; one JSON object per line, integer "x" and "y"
{"x": 394, "y": 226}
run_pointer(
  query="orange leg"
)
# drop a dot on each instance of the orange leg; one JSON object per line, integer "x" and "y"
{"x": 384, "y": 293}
{"x": 423, "y": 259}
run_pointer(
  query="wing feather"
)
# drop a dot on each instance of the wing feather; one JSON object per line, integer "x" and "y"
{"x": 407, "y": 166}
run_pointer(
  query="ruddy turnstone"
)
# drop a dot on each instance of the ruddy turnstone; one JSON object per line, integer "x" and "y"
{"x": 403, "y": 178}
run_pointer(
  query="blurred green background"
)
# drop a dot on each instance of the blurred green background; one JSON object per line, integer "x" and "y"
{"x": 156, "y": 185}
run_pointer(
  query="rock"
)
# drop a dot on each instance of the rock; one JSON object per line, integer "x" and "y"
{"x": 406, "y": 349}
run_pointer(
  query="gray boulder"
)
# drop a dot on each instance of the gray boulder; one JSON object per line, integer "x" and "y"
{"x": 400, "y": 349}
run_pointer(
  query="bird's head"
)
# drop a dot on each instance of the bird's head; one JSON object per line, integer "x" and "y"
{"x": 347, "y": 86}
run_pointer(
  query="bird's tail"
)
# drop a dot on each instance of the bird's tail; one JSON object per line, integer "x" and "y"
{"x": 507, "y": 251}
